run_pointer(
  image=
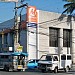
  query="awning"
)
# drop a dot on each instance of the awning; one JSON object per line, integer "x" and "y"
{"x": 19, "y": 53}
{"x": 24, "y": 54}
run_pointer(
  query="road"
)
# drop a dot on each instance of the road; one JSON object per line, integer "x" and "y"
{"x": 33, "y": 72}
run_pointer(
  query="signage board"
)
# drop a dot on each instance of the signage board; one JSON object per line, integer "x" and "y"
{"x": 32, "y": 14}
{"x": 32, "y": 25}
{"x": 19, "y": 49}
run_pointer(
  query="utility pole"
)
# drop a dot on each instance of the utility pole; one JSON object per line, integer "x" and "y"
{"x": 16, "y": 29}
{"x": 17, "y": 32}
{"x": 16, "y": 24}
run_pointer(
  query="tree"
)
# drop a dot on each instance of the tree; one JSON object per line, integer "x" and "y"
{"x": 69, "y": 9}
{"x": 69, "y": 6}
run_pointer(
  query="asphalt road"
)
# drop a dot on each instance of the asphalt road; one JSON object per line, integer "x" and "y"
{"x": 34, "y": 72}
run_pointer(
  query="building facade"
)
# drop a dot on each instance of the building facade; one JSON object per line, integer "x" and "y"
{"x": 56, "y": 34}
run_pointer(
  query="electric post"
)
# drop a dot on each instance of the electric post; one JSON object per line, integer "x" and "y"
{"x": 16, "y": 27}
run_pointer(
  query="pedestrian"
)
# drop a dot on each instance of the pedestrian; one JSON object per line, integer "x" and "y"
{"x": 23, "y": 63}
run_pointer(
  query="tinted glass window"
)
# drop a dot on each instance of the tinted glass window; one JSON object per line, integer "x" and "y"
{"x": 66, "y": 37}
{"x": 37, "y": 60}
{"x": 49, "y": 58}
{"x": 68, "y": 57}
{"x": 55, "y": 58}
{"x": 53, "y": 37}
{"x": 63, "y": 57}
{"x": 4, "y": 56}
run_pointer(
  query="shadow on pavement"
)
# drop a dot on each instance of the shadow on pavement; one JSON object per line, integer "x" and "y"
{"x": 60, "y": 71}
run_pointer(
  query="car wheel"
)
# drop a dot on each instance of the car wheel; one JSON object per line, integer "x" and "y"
{"x": 56, "y": 70}
{"x": 43, "y": 70}
{"x": 67, "y": 69}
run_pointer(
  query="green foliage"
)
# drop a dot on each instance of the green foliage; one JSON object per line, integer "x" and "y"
{"x": 69, "y": 0}
{"x": 69, "y": 7}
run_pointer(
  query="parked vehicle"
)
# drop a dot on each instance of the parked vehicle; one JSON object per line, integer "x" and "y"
{"x": 54, "y": 62}
{"x": 32, "y": 64}
{"x": 13, "y": 61}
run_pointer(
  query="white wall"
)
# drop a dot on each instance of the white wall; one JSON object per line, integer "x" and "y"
{"x": 51, "y": 19}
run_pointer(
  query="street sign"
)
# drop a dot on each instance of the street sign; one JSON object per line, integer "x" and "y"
{"x": 32, "y": 25}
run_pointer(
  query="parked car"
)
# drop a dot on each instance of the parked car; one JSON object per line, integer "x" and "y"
{"x": 55, "y": 63}
{"x": 32, "y": 64}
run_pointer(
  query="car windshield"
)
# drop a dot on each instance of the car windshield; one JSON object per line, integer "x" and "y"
{"x": 44, "y": 57}
{"x": 33, "y": 61}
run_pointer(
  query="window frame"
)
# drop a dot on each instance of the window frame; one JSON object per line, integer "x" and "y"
{"x": 66, "y": 37}
{"x": 53, "y": 37}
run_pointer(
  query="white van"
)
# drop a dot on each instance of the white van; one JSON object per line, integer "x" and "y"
{"x": 55, "y": 62}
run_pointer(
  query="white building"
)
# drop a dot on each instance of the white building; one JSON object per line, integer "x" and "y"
{"x": 55, "y": 31}
{"x": 55, "y": 34}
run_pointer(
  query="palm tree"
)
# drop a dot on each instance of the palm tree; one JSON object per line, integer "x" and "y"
{"x": 69, "y": 6}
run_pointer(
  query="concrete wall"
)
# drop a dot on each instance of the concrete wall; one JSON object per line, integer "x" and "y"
{"x": 51, "y": 19}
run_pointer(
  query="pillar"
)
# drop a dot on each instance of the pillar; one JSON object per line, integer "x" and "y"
{"x": 73, "y": 46}
{"x": 60, "y": 41}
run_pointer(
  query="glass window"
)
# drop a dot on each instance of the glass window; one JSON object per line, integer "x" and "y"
{"x": 48, "y": 58}
{"x": 43, "y": 57}
{"x": 4, "y": 56}
{"x": 53, "y": 37}
{"x": 32, "y": 61}
{"x": 68, "y": 57}
{"x": 5, "y": 39}
{"x": 66, "y": 37}
{"x": 55, "y": 58}
{"x": 63, "y": 57}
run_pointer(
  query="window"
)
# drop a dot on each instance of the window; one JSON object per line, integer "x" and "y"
{"x": 4, "y": 56}
{"x": 32, "y": 61}
{"x": 68, "y": 57}
{"x": 55, "y": 58}
{"x": 63, "y": 57}
{"x": 43, "y": 57}
{"x": 48, "y": 58}
{"x": 66, "y": 37}
{"x": 5, "y": 40}
{"x": 53, "y": 37}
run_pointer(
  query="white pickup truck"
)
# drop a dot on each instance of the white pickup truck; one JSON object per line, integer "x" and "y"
{"x": 54, "y": 62}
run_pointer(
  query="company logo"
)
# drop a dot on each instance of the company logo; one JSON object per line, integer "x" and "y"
{"x": 32, "y": 14}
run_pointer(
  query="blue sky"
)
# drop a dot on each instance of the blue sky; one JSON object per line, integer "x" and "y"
{"x": 7, "y": 9}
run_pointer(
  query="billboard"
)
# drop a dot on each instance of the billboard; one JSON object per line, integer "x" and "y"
{"x": 8, "y": 0}
{"x": 32, "y": 14}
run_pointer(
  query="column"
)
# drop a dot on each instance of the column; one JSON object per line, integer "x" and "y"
{"x": 73, "y": 46}
{"x": 60, "y": 41}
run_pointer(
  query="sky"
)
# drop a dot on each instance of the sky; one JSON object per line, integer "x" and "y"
{"x": 7, "y": 9}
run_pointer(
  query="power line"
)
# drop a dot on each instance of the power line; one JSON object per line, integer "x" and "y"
{"x": 51, "y": 22}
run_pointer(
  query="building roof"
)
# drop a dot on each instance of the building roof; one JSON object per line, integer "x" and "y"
{"x": 8, "y": 26}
